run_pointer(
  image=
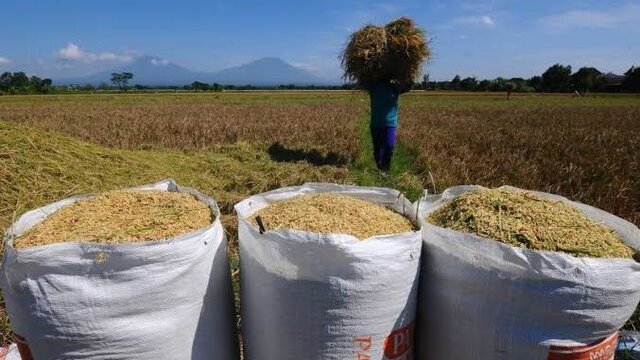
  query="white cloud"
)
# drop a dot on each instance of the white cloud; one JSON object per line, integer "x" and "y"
{"x": 159, "y": 62}
{"x": 487, "y": 21}
{"x": 72, "y": 52}
{"x": 4, "y": 60}
{"x": 305, "y": 66}
{"x": 608, "y": 18}
{"x": 483, "y": 21}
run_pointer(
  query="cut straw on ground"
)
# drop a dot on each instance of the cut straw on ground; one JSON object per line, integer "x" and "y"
{"x": 523, "y": 219}
{"x": 333, "y": 213}
{"x": 121, "y": 217}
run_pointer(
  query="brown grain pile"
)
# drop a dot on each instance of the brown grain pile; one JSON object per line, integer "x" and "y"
{"x": 333, "y": 213}
{"x": 117, "y": 217}
{"x": 394, "y": 52}
{"x": 523, "y": 219}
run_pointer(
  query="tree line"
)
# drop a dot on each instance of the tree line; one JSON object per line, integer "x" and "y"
{"x": 20, "y": 83}
{"x": 197, "y": 86}
{"x": 556, "y": 79}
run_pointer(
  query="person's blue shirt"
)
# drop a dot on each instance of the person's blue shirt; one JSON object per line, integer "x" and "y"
{"x": 384, "y": 104}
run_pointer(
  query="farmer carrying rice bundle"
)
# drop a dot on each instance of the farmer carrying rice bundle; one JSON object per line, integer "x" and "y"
{"x": 385, "y": 61}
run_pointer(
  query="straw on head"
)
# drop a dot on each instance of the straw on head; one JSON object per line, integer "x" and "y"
{"x": 394, "y": 52}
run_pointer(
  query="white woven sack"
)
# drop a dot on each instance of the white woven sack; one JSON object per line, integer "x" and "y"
{"x": 484, "y": 300}
{"x": 10, "y": 353}
{"x": 327, "y": 296}
{"x": 159, "y": 300}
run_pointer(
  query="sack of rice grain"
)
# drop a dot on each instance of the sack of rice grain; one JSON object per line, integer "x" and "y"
{"x": 558, "y": 283}
{"x": 395, "y": 52}
{"x": 134, "y": 274}
{"x": 331, "y": 273}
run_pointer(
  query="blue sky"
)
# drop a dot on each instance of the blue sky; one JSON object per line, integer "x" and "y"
{"x": 484, "y": 38}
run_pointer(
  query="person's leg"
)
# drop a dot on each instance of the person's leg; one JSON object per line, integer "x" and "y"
{"x": 377, "y": 136}
{"x": 389, "y": 143}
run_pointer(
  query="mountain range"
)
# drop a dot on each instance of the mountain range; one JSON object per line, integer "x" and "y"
{"x": 151, "y": 70}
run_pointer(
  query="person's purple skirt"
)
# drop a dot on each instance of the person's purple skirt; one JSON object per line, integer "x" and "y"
{"x": 384, "y": 141}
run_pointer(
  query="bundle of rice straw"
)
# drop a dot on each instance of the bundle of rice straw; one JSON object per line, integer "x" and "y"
{"x": 123, "y": 216}
{"x": 526, "y": 220}
{"x": 394, "y": 52}
{"x": 332, "y": 213}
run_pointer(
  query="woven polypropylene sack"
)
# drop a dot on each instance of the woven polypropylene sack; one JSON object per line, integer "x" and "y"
{"x": 158, "y": 300}
{"x": 327, "y": 296}
{"x": 484, "y": 300}
{"x": 10, "y": 353}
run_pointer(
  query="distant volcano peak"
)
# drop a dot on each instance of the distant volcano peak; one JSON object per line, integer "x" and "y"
{"x": 153, "y": 70}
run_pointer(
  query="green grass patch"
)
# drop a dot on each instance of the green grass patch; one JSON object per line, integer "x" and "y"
{"x": 404, "y": 174}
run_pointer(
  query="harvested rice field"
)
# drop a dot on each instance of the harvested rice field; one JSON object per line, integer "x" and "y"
{"x": 582, "y": 148}
{"x": 333, "y": 213}
{"x": 526, "y": 220}
{"x": 118, "y": 217}
{"x": 288, "y": 123}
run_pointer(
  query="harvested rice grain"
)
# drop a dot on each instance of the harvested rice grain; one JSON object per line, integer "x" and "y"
{"x": 333, "y": 213}
{"x": 526, "y": 220}
{"x": 115, "y": 217}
